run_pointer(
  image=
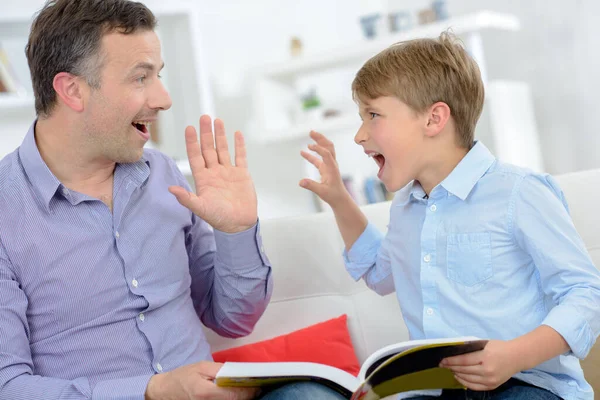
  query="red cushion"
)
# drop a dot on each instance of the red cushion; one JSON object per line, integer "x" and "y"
{"x": 327, "y": 343}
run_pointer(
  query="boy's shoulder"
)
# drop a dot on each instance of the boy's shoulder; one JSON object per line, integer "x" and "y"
{"x": 519, "y": 182}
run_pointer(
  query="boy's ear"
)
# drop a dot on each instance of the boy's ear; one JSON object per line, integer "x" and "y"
{"x": 69, "y": 88}
{"x": 437, "y": 118}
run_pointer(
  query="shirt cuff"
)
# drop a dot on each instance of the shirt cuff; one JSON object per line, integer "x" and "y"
{"x": 133, "y": 388}
{"x": 241, "y": 249}
{"x": 573, "y": 328}
{"x": 363, "y": 253}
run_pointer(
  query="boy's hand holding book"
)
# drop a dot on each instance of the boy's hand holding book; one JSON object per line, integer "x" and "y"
{"x": 485, "y": 369}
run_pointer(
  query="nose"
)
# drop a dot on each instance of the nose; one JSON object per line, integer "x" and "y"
{"x": 361, "y": 136}
{"x": 160, "y": 98}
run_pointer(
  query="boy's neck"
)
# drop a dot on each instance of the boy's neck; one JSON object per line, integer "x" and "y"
{"x": 439, "y": 167}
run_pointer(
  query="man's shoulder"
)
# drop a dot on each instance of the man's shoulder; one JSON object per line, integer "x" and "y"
{"x": 10, "y": 169}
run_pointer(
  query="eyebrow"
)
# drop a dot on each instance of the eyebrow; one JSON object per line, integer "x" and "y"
{"x": 147, "y": 66}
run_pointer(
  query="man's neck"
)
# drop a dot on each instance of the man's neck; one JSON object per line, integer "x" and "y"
{"x": 62, "y": 149}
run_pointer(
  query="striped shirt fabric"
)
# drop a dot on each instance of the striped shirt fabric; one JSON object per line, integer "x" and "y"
{"x": 93, "y": 303}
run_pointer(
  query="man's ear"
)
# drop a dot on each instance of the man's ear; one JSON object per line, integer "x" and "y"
{"x": 69, "y": 88}
{"x": 437, "y": 118}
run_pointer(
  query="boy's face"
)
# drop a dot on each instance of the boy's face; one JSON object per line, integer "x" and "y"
{"x": 393, "y": 134}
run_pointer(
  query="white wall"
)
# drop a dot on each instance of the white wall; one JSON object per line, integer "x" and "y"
{"x": 555, "y": 52}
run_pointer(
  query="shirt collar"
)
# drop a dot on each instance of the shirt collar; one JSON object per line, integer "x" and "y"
{"x": 469, "y": 170}
{"x": 412, "y": 191}
{"x": 45, "y": 183}
{"x": 461, "y": 180}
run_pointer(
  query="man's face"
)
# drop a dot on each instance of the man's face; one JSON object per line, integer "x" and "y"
{"x": 129, "y": 98}
{"x": 392, "y": 134}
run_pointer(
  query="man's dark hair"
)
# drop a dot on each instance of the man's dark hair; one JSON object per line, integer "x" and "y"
{"x": 66, "y": 36}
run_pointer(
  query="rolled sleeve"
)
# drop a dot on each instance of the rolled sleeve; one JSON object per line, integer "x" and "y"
{"x": 573, "y": 327}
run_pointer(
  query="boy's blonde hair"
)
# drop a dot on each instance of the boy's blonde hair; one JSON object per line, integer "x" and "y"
{"x": 422, "y": 72}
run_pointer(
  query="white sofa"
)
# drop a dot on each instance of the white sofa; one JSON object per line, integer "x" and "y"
{"x": 311, "y": 284}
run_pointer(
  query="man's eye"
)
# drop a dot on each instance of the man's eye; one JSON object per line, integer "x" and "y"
{"x": 141, "y": 79}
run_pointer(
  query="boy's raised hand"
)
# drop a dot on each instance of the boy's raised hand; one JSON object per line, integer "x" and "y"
{"x": 331, "y": 188}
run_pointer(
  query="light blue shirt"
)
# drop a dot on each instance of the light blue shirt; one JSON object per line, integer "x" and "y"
{"x": 491, "y": 253}
{"x": 93, "y": 303}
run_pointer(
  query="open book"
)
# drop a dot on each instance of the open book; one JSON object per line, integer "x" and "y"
{"x": 401, "y": 367}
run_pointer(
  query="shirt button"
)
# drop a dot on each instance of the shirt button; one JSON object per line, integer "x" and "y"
{"x": 142, "y": 317}
{"x": 433, "y": 208}
{"x": 427, "y": 258}
{"x": 430, "y": 311}
{"x": 262, "y": 248}
{"x": 159, "y": 367}
{"x": 117, "y": 234}
{"x": 134, "y": 283}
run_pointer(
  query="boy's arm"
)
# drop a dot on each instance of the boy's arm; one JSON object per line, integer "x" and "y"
{"x": 364, "y": 255}
{"x": 350, "y": 219}
{"x": 544, "y": 229}
{"x": 541, "y": 226}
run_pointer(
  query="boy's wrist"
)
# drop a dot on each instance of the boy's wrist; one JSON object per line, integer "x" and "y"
{"x": 519, "y": 355}
{"x": 342, "y": 201}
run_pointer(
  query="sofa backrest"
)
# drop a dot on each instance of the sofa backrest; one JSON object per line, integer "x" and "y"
{"x": 311, "y": 284}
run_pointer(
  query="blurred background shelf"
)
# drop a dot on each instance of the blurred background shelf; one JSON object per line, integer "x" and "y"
{"x": 361, "y": 51}
{"x": 14, "y": 102}
{"x": 278, "y": 86}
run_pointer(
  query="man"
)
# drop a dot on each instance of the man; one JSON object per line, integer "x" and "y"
{"x": 105, "y": 278}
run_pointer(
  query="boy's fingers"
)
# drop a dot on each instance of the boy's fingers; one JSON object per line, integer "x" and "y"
{"x": 316, "y": 161}
{"x": 464, "y": 360}
{"x": 323, "y": 141}
{"x": 323, "y": 152}
{"x": 311, "y": 185}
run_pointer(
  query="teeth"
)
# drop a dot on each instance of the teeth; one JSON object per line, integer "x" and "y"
{"x": 373, "y": 154}
{"x": 145, "y": 123}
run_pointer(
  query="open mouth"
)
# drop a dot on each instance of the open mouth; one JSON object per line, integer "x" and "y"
{"x": 380, "y": 160}
{"x": 143, "y": 128}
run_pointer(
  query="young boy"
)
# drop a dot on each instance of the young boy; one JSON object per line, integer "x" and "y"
{"x": 474, "y": 246}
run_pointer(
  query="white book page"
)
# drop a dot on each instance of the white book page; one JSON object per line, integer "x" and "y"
{"x": 283, "y": 369}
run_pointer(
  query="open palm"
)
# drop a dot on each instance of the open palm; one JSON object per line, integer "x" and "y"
{"x": 225, "y": 196}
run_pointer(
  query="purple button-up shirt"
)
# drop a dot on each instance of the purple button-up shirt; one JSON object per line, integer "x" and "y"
{"x": 93, "y": 303}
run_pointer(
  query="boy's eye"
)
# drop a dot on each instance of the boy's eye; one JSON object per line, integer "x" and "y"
{"x": 373, "y": 115}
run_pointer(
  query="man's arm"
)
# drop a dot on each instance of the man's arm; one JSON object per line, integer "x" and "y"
{"x": 17, "y": 380}
{"x": 231, "y": 275}
{"x": 231, "y": 278}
